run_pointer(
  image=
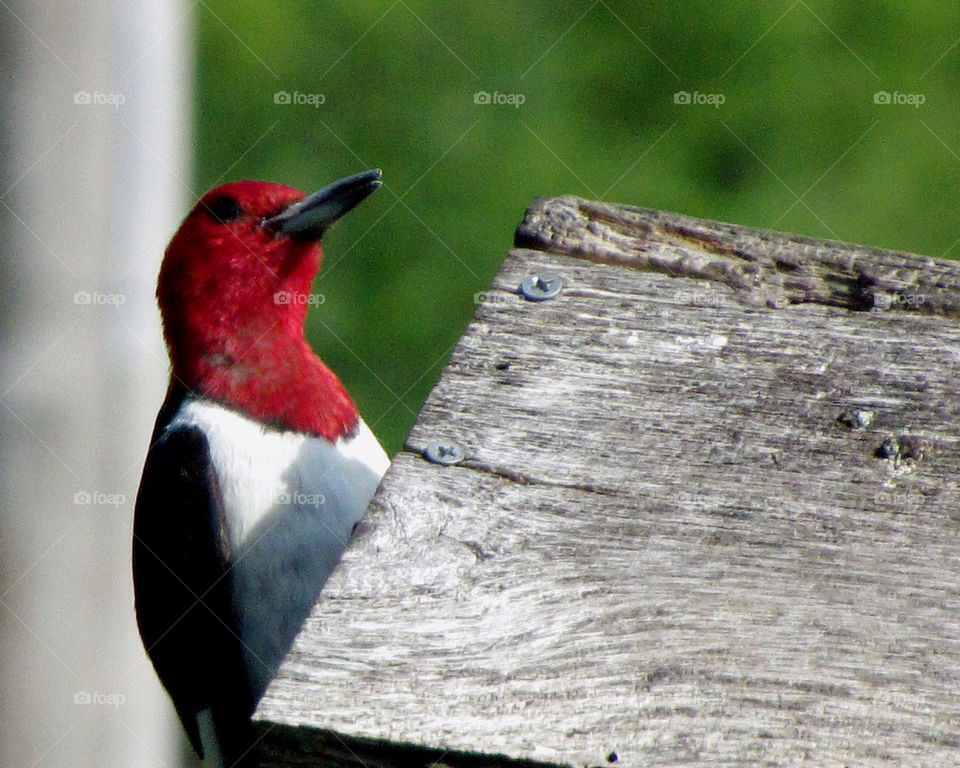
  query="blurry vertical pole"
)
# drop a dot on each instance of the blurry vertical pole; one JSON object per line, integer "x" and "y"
{"x": 93, "y": 179}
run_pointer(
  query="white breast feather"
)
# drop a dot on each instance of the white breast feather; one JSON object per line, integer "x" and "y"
{"x": 291, "y": 502}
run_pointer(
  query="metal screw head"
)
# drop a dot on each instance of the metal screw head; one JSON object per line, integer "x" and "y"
{"x": 444, "y": 453}
{"x": 540, "y": 287}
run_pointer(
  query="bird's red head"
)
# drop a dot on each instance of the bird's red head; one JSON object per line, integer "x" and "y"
{"x": 234, "y": 290}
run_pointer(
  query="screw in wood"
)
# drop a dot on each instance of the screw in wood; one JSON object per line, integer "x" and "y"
{"x": 444, "y": 453}
{"x": 540, "y": 287}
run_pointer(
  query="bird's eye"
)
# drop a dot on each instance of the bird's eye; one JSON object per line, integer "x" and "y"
{"x": 224, "y": 209}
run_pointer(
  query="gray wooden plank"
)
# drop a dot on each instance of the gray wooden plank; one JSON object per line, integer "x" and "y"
{"x": 708, "y": 516}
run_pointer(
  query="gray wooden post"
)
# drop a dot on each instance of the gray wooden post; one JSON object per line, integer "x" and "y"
{"x": 96, "y": 124}
{"x": 708, "y": 515}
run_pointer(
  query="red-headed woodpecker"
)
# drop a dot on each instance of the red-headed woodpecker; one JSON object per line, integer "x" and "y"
{"x": 259, "y": 465}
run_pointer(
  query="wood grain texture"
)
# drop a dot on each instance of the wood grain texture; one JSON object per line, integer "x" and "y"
{"x": 709, "y": 516}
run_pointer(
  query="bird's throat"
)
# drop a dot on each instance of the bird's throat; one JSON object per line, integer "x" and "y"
{"x": 274, "y": 379}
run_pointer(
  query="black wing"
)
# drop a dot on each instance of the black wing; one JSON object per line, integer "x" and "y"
{"x": 182, "y": 583}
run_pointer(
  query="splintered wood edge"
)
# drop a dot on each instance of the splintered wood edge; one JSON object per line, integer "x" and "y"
{"x": 765, "y": 268}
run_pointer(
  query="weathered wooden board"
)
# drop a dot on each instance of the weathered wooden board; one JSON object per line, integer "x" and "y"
{"x": 709, "y": 516}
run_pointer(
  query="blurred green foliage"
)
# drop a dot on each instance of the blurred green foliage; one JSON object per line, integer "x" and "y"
{"x": 799, "y": 143}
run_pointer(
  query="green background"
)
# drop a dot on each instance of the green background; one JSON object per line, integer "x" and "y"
{"x": 799, "y": 143}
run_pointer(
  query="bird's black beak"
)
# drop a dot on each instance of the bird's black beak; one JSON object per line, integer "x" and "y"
{"x": 312, "y": 216}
